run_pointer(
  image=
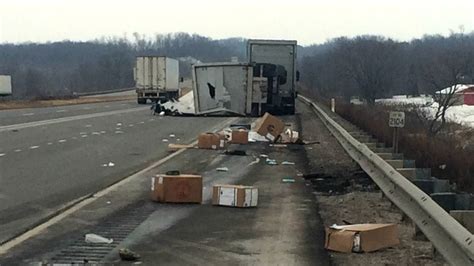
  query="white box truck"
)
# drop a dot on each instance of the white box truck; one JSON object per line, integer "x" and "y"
{"x": 5, "y": 85}
{"x": 282, "y": 55}
{"x": 156, "y": 78}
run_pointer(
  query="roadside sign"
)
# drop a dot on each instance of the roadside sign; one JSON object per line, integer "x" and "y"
{"x": 396, "y": 119}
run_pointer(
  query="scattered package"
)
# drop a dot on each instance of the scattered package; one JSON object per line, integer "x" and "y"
{"x": 361, "y": 237}
{"x": 176, "y": 187}
{"x": 239, "y": 136}
{"x": 212, "y": 141}
{"x": 235, "y": 195}
{"x": 269, "y": 126}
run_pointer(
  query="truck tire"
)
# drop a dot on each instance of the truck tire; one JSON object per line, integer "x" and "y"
{"x": 141, "y": 100}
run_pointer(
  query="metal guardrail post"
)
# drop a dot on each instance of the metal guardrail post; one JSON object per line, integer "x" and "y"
{"x": 450, "y": 238}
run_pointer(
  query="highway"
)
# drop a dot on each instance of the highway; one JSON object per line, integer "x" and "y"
{"x": 52, "y": 156}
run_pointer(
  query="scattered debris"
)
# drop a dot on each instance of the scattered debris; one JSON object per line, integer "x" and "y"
{"x": 361, "y": 237}
{"x": 288, "y": 180}
{"x": 239, "y": 136}
{"x": 270, "y": 127}
{"x": 257, "y": 160}
{"x": 110, "y": 164}
{"x": 162, "y": 113}
{"x": 211, "y": 141}
{"x": 172, "y": 135}
{"x": 235, "y": 195}
{"x": 176, "y": 188}
{"x": 255, "y": 137}
{"x": 271, "y": 161}
{"x": 128, "y": 255}
{"x": 165, "y": 140}
{"x": 108, "y": 202}
{"x": 287, "y": 163}
{"x": 222, "y": 169}
{"x": 236, "y": 152}
{"x": 93, "y": 238}
{"x": 263, "y": 155}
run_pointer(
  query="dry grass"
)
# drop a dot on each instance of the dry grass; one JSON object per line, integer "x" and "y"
{"x": 448, "y": 154}
{"x": 61, "y": 102}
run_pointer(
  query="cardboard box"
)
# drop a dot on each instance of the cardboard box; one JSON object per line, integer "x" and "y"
{"x": 269, "y": 126}
{"x": 181, "y": 188}
{"x": 361, "y": 237}
{"x": 239, "y": 136}
{"x": 235, "y": 195}
{"x": 212, "y": 141}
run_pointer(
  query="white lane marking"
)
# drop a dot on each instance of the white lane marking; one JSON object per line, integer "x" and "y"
{"x": 83, "y": 136}
{"x": 141, "y": 122}
{"x": 62, "y": 140}
{"x": 118, "y": 132}
{"x": 82, "y": 133}
{"x": 28, "y": 114}
{"x": 50, "y": 143}
{"x": 17, "y": 150}
{"x": 131, "y": 125}
{"x": 95, "y": 133}
{"x": 103, "y": 132}
{"x": 88, "y": 125}
{"x": 34, "y": 147}
{"x": 61, "y": 111}
{"x": 74, "y": 138}
{"x": 2, "y": 154}
{"x": 119, "y": 124}
{"x": 118, "y": 128}
{"x": 68, "y": 119}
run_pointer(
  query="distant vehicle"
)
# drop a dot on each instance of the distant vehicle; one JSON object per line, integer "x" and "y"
{"x": 281, "y": 54}
{"x": 5, "y": 85}
{"x": 156, "y": 78}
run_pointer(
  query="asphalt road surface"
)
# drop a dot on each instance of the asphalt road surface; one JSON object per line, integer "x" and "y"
{"x": 45, "y": 165}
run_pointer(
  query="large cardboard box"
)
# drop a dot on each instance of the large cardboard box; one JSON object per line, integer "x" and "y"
{"x": 212, "y": 141}
{"x": 239, "y": 136}
{"x": 235, "y": 196}
{"x": 269, "y": 126}
{"x": 361, "y": 237}
{"x": 181, "y": 188}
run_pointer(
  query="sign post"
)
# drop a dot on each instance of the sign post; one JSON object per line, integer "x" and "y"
{"x": 396, "y": 120}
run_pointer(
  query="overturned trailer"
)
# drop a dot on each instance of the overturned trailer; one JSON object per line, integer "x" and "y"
{"x": 235, "y": 88}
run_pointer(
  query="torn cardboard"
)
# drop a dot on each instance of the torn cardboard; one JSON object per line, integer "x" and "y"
{"x": 361, "y": 237}
{"x": 211, "y": 141}
{"x": 181, "y": 188}
{"x": 235, "y": 196}
{"x": 174, "y": 147}
{"x": 269, "y": 126}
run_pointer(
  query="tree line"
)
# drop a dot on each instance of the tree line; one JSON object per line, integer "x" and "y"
{"x": 373, "y": 67}
{"x": 62, "y": 68}
{"x": 366, "y": 66}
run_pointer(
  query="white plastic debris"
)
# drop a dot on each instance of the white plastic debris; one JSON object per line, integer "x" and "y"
{"x": 172, "y": 135}
{"x": 110, "y": 164}
{"x": 93, "y": 238}
{"x": 287, "y": 163}
{"x": 263, "y": 155}
{"x": 254, "y": 137}
{"x": 162, "y": 113}
{"x": 222, "y": 169}
{"x": 271, "y": 161}
{"x": 165, "y": 140}
{"x": 119, "y": 124}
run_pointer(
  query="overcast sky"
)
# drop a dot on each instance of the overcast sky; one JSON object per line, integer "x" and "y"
{"x": 306, "y": 21}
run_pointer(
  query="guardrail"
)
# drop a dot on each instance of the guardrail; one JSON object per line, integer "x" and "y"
{"x": 101, "y": 92}
{"x": 450, "y": 238}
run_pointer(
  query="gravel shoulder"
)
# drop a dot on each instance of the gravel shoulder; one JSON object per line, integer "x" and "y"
{"x": 348, "y": 194}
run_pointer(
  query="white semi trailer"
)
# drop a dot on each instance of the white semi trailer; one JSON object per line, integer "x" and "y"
{"x": 5, "y": 85}
{"x": 156, "y": 78}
